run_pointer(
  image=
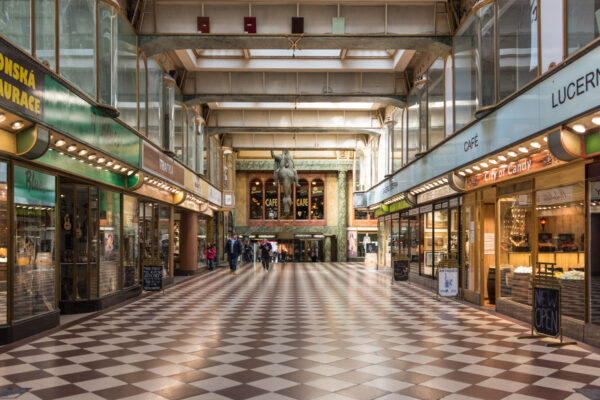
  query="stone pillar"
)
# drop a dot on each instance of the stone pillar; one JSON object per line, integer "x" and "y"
{"x": 342, "y": 212}
{"x": 327, "y": 249}
{"x": 188, "y": 243}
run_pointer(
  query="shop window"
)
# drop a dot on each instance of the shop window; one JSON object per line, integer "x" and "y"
{"x": 359, "y": 171}
{"x": 380, "y": 241}
{"x": 594, "y": 264}
{"x": 517, "y": 45}
{"x": 191, "y": 146}
{"x": 469, "y": 277}
{"x": 551, "y": 14}
{"x": 363, "y": 215}
{"x": 449, "y": 95}
{"x": 228, "y": 170}
{"x": 515, "y": 219}
{"x": 143, "y": 101}
{"x": 202, "y": 242}
{"x": 317, "y": 199}
{"x": 45, "y": 32}
{"x": 352, "y": 244}
{"x": 427, "y": 255}
{"x": 582, "y": 23}
{"x": 486, "y": 93}
{"x": 440, "y": 237}
{"x": 414, "y": 138}
{"x": 179, "y": 127}
{"x": 127, "y": 72}
{"x": 78, "y": 43}
{"x": 399, "y": 116}
{"x": 15, "y": 22}
{"x": 302, "y": 200}
{"x": 388, "y": 241}
{"x": 414, "y": 241}
{"x": 256, "y": 199}
{"x": 35, "y": 234}
{"x": 395, "y": 243}
{"x": 130, "y": 241}
{"x": 435, "y": 102}
{"x": 271, "y": 200}
{"x": 164, "y": 224}
{"x": 465, "y": 73}
{"x": 560, "y": 241}
{"x": 155, "y": 88}
{"x": 404, "y": 237}
{"x": 202, "y": 142}
{"x": 3, "y": 242}
{"x": 110, "y": 227}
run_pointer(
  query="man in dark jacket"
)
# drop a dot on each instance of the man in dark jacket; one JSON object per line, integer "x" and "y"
{"x": 265, "y": 254}
{"x": 234, "y": 249}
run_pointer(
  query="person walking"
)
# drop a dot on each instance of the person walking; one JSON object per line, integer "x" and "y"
{"x": 210, "y": 256}
{"x": 234, "y": 250}
{"x": 265, "y": 254}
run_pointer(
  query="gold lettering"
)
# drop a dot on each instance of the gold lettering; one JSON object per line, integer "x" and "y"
{"x": 23, "y": 102}
{"x": 23, "y": 76}
{"x": 15, "y": 95}
{"x": 31, "y": 82}
{"x": 16, "y": 71}
{"x": 1, "y": 61}
{"x": 1, "y": 88}
{"x": 37, "y": 106}
{"x": 7, "y": 90}
{"x": 8, "y": 64}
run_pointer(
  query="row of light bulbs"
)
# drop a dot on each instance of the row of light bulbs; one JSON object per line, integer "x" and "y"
{"x": 581, "y": 128}
{"x": 501, "y": 159}
{"x": 161, "y": 185}
{"x": 554, "y": 207}
{"x": 84, "y": 154}
{"x": 15, "y": 126}
{"x": 394, "y": 199}
{"x": 429, "y": 185}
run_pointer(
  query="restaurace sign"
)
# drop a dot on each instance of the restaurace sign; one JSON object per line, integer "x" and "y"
{"x": 21, "y": 87}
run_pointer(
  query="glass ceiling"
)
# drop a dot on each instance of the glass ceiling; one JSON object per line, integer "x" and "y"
{"x": 299, "y": 105}
{"x": 294, "y": 53}
{"x": 316, "y": 53}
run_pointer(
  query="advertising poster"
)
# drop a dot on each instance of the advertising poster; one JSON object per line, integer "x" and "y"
{"x": 448, "y": 282}
{"x": 352, "y": 244}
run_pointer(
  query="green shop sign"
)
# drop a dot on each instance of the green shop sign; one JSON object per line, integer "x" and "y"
{"x": 69, "y": 113}
{"x": 34, "y": 188}
{"x": 66, "y": 163}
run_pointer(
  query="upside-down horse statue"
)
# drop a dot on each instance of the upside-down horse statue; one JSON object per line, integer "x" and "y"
{"x": 285, "y": 174}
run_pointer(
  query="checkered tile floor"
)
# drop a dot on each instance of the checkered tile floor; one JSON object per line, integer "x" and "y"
{"x": 301, "y": 331}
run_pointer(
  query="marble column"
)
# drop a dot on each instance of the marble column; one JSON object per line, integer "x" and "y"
{"x": 188, "y": 243}
{"x": 342, "y": 214}
{"x": 327, "y": 249}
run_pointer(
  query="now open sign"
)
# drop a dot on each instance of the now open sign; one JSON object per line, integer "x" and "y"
{"x": 546, "y": 309}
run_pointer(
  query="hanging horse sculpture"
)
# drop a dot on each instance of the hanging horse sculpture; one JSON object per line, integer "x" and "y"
{"x": 285, "y": 174}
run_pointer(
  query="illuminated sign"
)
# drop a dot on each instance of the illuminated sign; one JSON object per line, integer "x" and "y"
{"x": 516, "y": 168}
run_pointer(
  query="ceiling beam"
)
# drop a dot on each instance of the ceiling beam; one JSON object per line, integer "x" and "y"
{"x": 197, "y": 99}
{"x": 151, "y": 44}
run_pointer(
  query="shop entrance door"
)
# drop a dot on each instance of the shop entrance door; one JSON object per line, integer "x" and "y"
{"x": 154, "y": 233}
{"x": 488, "y": 219}
{"x": 79, "y": 241}
{"x": 309, "y": 250}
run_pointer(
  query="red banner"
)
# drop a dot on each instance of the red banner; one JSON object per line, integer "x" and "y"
{"x": 513, "y": 169}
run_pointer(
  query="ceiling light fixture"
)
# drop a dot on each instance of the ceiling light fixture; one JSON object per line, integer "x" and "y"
{"x": 595, "y": 120}
{"x": 493, "y": 162}
{"x": 461, "y": 173}
{"x": 2, "y": 117}
{"x": 484, "y": 164}
{"x": 535, "y": 145}
{"x": 501, "y": 158}
{"x": 72, "y": 148}
{"x": 580, "y": 128}
{"x": 100, "y": 160}
{"x": 130, "y": 172}
{"x": 523, "y": 149}
{"x": 82, "y": 152}
{"x": 108, "y": 164}
{"x": 59, "y": 143}
{"x": 91, "y": 156}
{"x": 512, "y": 154}
{"x": 476, "y": 167}
{"x": 116, "y": 166}
{"x": 469, "y": 170}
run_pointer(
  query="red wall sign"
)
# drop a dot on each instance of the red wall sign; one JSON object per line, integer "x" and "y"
{"x": 513, "y": 169}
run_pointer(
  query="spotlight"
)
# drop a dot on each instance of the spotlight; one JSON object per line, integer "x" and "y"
{"x": 17, "y": 125}
{"x": 100, "y": 160}
{"x": 123, "y": 169}
{"x": 82, "y": 152}
{"x": 91, "y": 156}
{"x": 512, "y": 154}
{"x": 59, "y": 143}
{"x": 476, "y": 168}
{"x": 469, "y": 170}
{"x": 484, "y": 164}
{"x": 580, "y": 128}
{"x": 493, "y": 162}
{"x": 462, "y": 173}
{"x": 116, "y": 167}
{"x": 595, "y": 120}
{"x": 72, "y": 148}
{"x": 108, "y": 164}
{"x": 130, "y": 172}
{"x": 501, "y": 158}
{"x": 523, "y": 149}
{"x": 535, "y": 145}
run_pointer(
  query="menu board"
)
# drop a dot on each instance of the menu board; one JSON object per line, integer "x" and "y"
{"x": 153, "y": 275}
{"x": 401, "y": 270}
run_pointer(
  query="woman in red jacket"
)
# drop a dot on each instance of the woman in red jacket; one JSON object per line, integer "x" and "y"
{"x": 210, "y": 255}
